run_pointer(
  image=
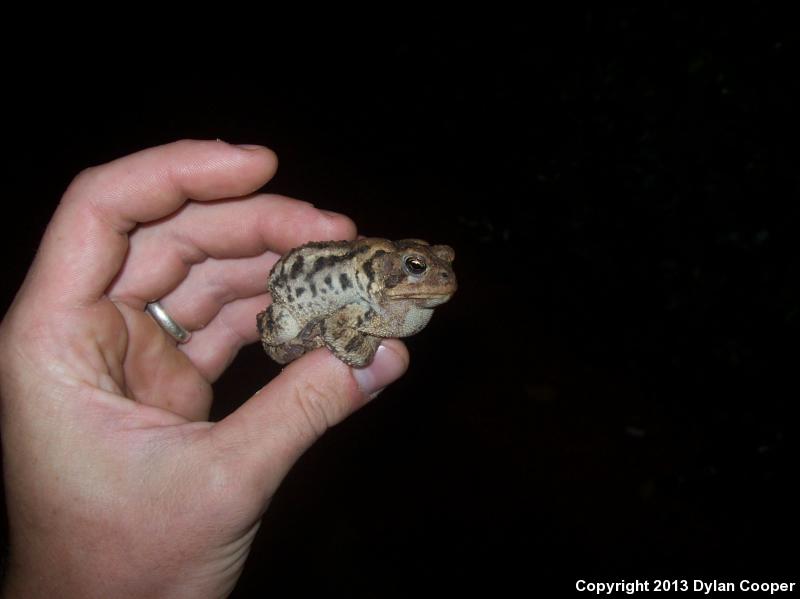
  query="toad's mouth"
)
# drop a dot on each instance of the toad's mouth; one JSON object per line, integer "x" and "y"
{"x": 423, "y": 300}
{"x": 420, "y": 296}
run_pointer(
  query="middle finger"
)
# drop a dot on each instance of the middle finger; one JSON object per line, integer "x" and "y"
{"x": 211, "y": 285}
{"x": 162, "y": 253}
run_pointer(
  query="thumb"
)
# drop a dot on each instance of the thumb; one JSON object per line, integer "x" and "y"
{"x": 275, "y": 426}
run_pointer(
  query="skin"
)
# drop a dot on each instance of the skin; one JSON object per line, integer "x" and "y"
{"x": 116, "y": 484}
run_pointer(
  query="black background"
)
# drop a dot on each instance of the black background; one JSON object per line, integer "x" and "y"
{"x": 611, "y": 393}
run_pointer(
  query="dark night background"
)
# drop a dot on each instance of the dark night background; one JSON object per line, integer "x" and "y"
{"x": 612, "y": 391}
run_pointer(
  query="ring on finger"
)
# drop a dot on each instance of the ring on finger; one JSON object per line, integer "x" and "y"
{"x": 166, "y": 322}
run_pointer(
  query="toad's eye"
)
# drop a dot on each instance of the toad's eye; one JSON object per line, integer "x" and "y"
{"x": 414, "y": 265}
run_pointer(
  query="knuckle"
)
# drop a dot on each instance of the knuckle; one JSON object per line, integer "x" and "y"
{"x": 85, "y": 179}
{"x": 186, "y": 146}
{"x": 88, "y": 185}
{"x": 184, "y": 143}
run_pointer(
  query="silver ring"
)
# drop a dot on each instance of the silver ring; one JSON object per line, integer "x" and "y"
{"x": 165, "y": 321}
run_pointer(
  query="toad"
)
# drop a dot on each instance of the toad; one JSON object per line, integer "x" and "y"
{"x": 348, "y": 295}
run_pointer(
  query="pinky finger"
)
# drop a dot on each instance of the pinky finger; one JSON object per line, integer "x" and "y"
{"x": 214, "y": 347}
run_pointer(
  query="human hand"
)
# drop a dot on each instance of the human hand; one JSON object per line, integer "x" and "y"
{"x": 116, "y": 485}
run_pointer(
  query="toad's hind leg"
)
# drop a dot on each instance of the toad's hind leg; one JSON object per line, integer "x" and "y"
{"x": 348, "y": 344}
{"x": 277, "y": 325}
{"x": 282, "y": 337}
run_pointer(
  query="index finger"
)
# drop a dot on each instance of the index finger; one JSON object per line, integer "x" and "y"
{"x": 87, "y": 239}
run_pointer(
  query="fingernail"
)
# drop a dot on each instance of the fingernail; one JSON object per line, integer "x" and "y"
{"x": 248, "y": 147}
{"x": 386, "y": 367}
{"x": 331, "y": 213}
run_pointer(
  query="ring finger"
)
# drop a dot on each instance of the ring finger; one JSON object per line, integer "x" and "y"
{"x": 213, "y": 284}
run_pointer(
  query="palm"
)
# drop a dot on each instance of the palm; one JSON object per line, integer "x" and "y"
{"x": 154, "y": 370}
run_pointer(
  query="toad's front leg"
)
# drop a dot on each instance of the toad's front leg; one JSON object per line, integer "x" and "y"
{"x": 341, "y": 336}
